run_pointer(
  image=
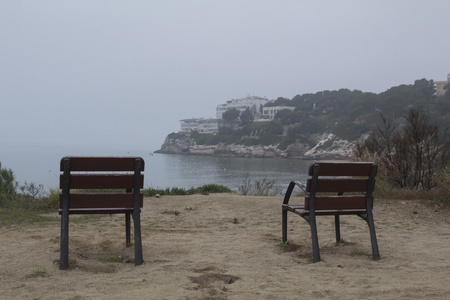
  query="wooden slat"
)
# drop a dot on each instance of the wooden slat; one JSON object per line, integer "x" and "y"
{"x": 101, "y": 181}
{"x": 101, "y": 164}
{"x": 337, "y": 185}
{"x": 338, "y": 202}
{"x": 109, "y": 211}
{"x": 303, "y": 212}
{"x": 101, "y": 200}
{"x": 342, "y": 169}
{"x": 293, "y": 207}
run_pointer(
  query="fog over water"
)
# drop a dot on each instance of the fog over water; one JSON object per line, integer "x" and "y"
{"x": 123, "y": 73}
{"x": 119, "y": 75}
{"x": 40, "y": 165}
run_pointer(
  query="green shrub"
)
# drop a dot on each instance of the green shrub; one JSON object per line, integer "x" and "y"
{"x": 312, "y": 126}
{"x": 204, "y": 190}
{"x": 8, "y": 183}
{"x": 269, "y": 139}
{"x": 176, "y": 136}
{"x": 213, "y": 188}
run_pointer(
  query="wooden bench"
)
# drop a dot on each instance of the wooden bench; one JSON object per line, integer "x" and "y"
{"x": 334, "y": 188}
{"x": 122, "y": 175}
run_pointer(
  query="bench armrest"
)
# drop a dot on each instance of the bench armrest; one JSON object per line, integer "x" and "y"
{"x": 290, "y": 188}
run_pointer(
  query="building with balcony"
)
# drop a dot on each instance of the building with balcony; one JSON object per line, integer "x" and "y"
{"x": 270, "y": 112}
{"x": 254, "y": 103}
{"x": 200, "y": 125}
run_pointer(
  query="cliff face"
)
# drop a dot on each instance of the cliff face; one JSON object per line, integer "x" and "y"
{"x": 327, "y": 147}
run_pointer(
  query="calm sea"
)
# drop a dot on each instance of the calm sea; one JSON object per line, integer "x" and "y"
{"x": 40, "y": 165}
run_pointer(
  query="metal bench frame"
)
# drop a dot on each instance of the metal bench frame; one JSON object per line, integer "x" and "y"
{"x": 340, "y": 178}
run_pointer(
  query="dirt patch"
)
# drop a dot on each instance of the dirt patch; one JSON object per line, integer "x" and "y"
{"x": 229, "y": 247}
{"x": 205, "y": 280}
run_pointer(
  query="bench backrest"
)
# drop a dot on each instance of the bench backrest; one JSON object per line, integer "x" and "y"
{"x": 340, "y": 186}
{"x": 88, "y": 175}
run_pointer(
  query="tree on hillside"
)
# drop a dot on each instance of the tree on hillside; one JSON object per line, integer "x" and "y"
{"x": 246, "y": 117}
{"x": 279, "y": 102}
{"x": 425, "y": 88}
{"x": 288, "y": 117}
{"x": 231, "y": 115}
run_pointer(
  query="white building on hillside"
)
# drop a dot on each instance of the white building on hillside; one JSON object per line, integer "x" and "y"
{"x": 252, "y": 102}
{"x": 440, "y": 86}
{"x": 201, "y": 125}
{"x": 270, "y": 112}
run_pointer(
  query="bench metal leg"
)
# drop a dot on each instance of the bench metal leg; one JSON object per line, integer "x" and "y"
{"x": 337, "y": 224}
{"x": 337, "y": 228}
{"x": 314, "y": 239}
{"x": 284, "y": 224}
{"x": 64, "y": 240}
{"x": 127, "y": 230}
{"x": 138, "y": 258}
{"x": 373, "y": 237}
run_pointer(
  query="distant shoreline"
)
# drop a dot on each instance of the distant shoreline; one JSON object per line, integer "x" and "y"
{"x": 257, "y": 151}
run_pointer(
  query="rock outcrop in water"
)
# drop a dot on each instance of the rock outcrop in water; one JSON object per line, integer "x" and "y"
{"x": 327, "y": 147}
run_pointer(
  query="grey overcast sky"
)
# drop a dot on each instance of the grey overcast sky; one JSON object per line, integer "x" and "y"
{"x": 91, "y": 72}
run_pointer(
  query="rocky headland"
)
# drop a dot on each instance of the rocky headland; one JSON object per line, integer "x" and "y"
{"x": 327, "y": 147}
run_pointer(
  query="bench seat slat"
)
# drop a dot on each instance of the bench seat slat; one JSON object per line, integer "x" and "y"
{"x": 293, "y": 207}
{"x": 100, "y": 164}
{"x": 302, "y": 212}
{"x": 101, "y": 181}
{"x": 84, "y": 211}
{"x": 336, "y": 185}
{"x": 101, "y": 200}
{"x": 342, "y": 169}
{"x": 338, "y": 202}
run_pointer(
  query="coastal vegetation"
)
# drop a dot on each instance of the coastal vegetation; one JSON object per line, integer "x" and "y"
{"x": 259, "y": 187}
{"x": 414, "y": 156}
{"x": 8, "y": 183}
{"x": 175, "y": 191}
{"x": 404, "y": 130}
{"x": 23, "y": 205}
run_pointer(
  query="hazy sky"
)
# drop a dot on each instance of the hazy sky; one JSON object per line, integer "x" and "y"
{"x": 125, "y": 72}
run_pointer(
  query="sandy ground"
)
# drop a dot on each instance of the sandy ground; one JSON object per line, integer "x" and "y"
{"x": 226, "y": 246}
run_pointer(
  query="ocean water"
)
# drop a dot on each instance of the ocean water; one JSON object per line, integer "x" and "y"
{"x": 40, "y": 165}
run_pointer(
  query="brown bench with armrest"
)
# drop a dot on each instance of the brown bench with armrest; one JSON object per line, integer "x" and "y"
{"x": 334, "y": 188}
{"x": 80, "y": 182}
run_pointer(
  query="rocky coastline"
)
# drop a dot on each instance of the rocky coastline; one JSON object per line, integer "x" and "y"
{"x": 336, "y": 150}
